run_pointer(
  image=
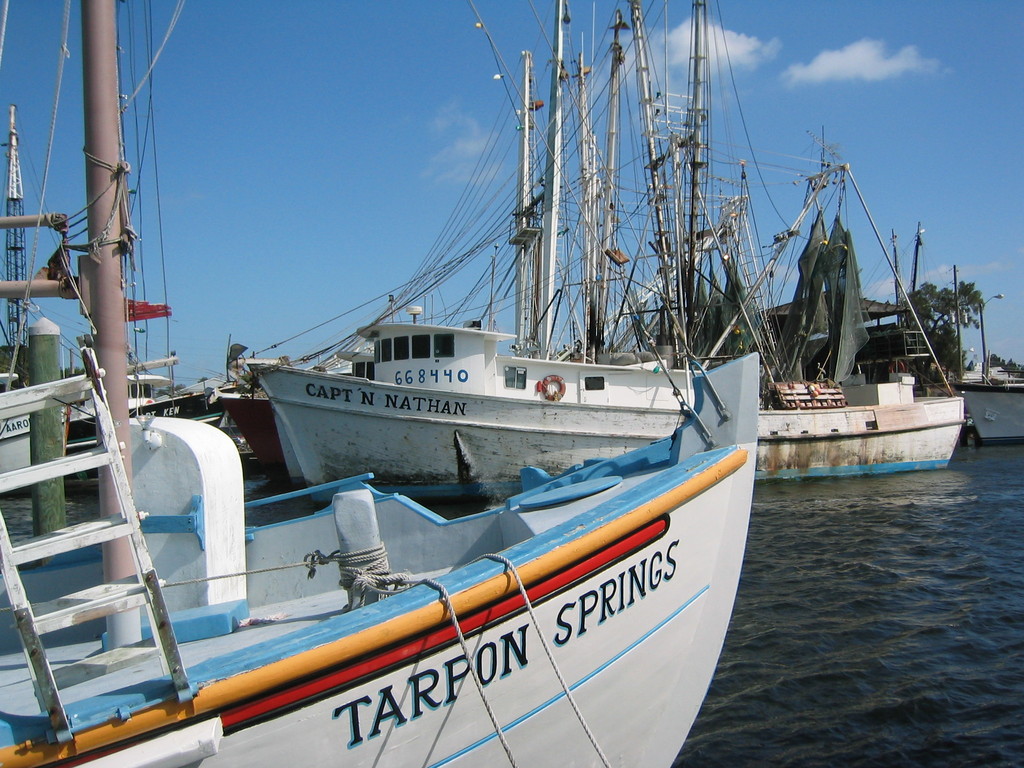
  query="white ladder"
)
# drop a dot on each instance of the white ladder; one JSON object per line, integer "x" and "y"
{"x": 142, "y": 589}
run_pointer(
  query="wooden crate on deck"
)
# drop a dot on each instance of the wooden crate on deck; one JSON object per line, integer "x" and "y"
{"x": 806, "y": 395}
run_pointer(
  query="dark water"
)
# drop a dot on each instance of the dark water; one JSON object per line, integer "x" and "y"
{"x": 879, "y": 622}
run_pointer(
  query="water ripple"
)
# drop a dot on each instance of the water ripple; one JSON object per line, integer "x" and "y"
{"x": 879, "y": 622}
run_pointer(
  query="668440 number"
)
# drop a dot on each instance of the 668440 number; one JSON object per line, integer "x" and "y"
{"x": 431, "y": 376}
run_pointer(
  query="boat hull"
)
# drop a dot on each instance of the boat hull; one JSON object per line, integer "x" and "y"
{"x": 194, "y": 406}
{"x": 425, "y": 709}
{"x": 996, "y": 411}
{"x": 858, "y": 440}
{"x": 14, "y": 443}
{"x": 480, "y": 437}
{"x": 445, "y": 439}
{"x": 255, "y": 420}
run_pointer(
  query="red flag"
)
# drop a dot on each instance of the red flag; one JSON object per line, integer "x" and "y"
{"x": 143, "y": 310}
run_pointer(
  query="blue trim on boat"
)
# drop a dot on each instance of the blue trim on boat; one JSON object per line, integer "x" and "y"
{"x": 853, "y": 469}
{"x": 463, "y": 578}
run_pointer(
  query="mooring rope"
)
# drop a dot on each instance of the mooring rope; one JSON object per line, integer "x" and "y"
{"x": 551, "y": 658}
{"x": 361, "y": 571}
{"x": 498, "y": 730}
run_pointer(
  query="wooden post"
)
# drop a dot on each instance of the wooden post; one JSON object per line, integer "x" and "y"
{"x": 46, "y": 428}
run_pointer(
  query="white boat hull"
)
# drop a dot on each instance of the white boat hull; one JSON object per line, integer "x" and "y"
{"x": 392, "y": 719}
{"x": 859, "y": 439}
{"x": 467, "y": 439}
{"x": 997, "y": 412}
{"x": 629, "y": 568}
{"x": 477, "y": 439}
{"x": 14, "y": 444}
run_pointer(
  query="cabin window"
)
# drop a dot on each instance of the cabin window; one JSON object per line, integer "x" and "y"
{"x": 382, "y": 351}
{"x": 363, "y": 370}
{"x": 593, "y": 382}
{"x": 515, "y": 378}
{"x": 401, "y": 348}
{"x": 421, "y": 346}
{"x": 444, "y": 345}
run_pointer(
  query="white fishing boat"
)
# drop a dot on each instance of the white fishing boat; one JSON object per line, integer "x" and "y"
{"x": 580, "y": 620}
{"x": 80, "y": 427}
{"x": 531, "y": 629}
{"x": 463, "y": 403}
{"x": 151, "y": 394}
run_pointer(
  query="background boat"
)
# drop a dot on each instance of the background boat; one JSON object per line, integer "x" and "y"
{"x": 614, "y": 311}
{"x": 996, "y": 410}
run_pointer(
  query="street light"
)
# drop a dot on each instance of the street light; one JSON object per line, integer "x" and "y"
{"x": 984, "y": 349}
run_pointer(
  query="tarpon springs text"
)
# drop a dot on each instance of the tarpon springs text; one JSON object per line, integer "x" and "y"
{"x": 439, "y": 686}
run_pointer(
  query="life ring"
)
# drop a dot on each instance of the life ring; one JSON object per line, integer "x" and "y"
{"x": 552, "y": 387}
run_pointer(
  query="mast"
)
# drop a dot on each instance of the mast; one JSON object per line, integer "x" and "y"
{"x": 15, "y": 262}
{"x": 527, "y": 231}
{"x": 589, "y": 194}
{"x": 552, "y": 191}
{"x": 100, "y": 268}
{"x": 959, "y": 337}
{"x": 599, "y": 298}
{"x": 896, "y": 267}
{"x": 918, "y": 245}
{"x": 663, "y": 249}
{"x": 697, "y": 123}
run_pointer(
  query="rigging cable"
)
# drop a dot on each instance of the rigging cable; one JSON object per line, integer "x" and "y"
{"x": 170, "y": 28}
{"x": 504, "y": 73}
{"x": 62, "y": 56}
{"x": 3, "y": 30}
{"x": 145, "y": 136}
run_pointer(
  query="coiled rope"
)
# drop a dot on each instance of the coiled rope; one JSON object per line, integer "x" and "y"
{"x": 362, "y": 571}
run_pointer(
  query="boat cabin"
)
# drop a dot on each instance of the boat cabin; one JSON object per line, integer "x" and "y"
{"x": 466, "y": 361}
{"x": 434, "y": 357}
{"x": 142, "y": 387}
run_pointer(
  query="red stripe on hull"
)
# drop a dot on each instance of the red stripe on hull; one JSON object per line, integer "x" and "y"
{"x": 289, "y": 697}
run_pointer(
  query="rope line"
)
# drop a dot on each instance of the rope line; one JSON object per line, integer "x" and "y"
{"x": 498, "y": 730}
{"x": 361, "y": 571}
{"x": 551, "y": 658}
{"x": 167, "y": 36}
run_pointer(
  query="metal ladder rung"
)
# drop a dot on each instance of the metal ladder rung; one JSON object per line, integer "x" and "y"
{"x": 71, "y": 538}
{"x": 93, "y": 603}
{"x": 65, "y": 465}
{"x": 103, "y": 664}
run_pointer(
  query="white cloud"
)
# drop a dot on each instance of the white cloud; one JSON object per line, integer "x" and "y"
{"x": 725, "y": 46}
{"x": 863, "y": 60}
{"x": 464, "y": 142}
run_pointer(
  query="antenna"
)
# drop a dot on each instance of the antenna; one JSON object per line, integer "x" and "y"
{"x": 15, "y": 256}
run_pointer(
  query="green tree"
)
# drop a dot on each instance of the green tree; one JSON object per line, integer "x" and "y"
{"x": 937, "y": 309}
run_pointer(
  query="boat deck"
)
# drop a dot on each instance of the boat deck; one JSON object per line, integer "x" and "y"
{"x": 20, "y": 715}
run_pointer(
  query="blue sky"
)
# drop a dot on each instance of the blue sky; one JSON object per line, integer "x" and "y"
{"x": 309, "y": 153}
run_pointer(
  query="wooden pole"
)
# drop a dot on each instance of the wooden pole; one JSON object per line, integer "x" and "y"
{"x": 100, "y": 268}
{"x": 46, "y": 430}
